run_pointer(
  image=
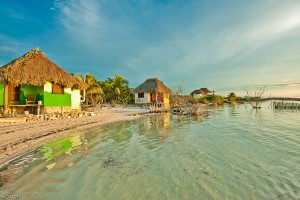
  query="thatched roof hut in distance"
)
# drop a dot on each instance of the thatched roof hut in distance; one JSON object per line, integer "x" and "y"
{"x": 153, "y": 91}
{"x": 34, "y": 68}
{"x": 152, "y": 85}
{"x": 202, "y": 92}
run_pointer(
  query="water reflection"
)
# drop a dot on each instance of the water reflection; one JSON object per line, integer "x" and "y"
{"x": 172, "y": 157}
{"x": 157, "y": 129}
{"x": 63, "y": 145}
{"x": 118, "y": 136}
{"x": 233, "y": 110}
{"x": 150, "y": 131}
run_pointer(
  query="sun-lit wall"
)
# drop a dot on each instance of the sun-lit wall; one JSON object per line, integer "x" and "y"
{"x": 167, "y": 101}
{"x": 75, "y": 99}
{"x": 138, "y": 100}
{"x": 1, "y": 94}
{"x": 56, "y": 99}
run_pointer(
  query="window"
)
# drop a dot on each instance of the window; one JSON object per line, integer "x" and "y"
{"x": 57, "y": 89}
{"x": 140, "y": 95}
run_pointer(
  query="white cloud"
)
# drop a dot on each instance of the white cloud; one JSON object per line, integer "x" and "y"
{"x": 81, "y": 19}
{"x": 201, "y": 52}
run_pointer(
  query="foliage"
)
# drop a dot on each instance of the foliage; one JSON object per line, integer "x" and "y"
{"x": 216, "y": 99}
{"x": 94, "y": 93}
{"x": 232, "y": 97}
{"x": 116, "y": 90}
{"x": 205, "y": 100}
{"x": 178, "y": 99}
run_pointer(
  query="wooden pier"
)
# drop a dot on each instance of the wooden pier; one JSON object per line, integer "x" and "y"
{"x": 281, "y": 99}
{"x": 285, "y": 105}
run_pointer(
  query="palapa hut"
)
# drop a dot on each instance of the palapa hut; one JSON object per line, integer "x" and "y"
{"x": 202, "y": 92}
{"x": 34, "y": 79}
{"x": 152, "y": 91}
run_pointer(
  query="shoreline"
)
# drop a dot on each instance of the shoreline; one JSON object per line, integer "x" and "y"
{"x": 19, "y": 139}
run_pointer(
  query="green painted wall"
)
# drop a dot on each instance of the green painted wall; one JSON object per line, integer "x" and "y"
{"x": 57, "y": 99}
{"x": 1, "y": 94}
{"x": 38, "y": 92}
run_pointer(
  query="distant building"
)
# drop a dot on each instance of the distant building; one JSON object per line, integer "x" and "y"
{"x": 202, "y": 92}
{"x": 152, "y": 91}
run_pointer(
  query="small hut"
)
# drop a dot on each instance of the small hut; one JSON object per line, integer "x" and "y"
{"x": 202, "y": 92}
{"x": 152, "y": 91}
{"x": 33, "y": 79}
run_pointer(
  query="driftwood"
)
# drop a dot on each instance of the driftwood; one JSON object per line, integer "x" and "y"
{"x": 182, "y": 104}
{"x": 256, "y": 97}
{"x": 188, "y": 109}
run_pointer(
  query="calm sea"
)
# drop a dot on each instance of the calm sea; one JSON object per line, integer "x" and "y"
{"x": 229, "y": 152}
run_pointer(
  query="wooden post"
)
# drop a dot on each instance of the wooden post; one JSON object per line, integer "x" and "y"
{"x": 38, "y": 109}
{"x": 156, "y": 99}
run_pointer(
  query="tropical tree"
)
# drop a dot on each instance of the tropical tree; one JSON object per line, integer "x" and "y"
{"x": 216, "y": 99}
{"x": 118, "y": 93}
{"x": 231, "y": 97}
{"x": 94, "y": 92}
{"x": 116, "y": 90}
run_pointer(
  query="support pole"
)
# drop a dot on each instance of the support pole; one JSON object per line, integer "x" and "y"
{"x": 156, "y": 99}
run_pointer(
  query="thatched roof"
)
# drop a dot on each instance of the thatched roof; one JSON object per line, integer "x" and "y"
{"x": 204, "y": 90}
{"x": 35, "y": 68}
{"x": 152, "y": 85}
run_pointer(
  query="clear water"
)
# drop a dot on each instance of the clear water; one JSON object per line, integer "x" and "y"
{"x": 231, "y": 152}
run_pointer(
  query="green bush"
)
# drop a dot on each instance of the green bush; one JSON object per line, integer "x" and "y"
{"x": 217, "y": 99}
{"x": 212, "y": 99}
{"x": 191, "y": 100}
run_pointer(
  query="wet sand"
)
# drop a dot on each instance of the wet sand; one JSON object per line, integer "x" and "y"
{"x": 19, "y": 138}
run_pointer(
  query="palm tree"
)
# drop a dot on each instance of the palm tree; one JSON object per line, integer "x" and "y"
{"x": 118, "y": 92}
{"x": 93, "y": 86}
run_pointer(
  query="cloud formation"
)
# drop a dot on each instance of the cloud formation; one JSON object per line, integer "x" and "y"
{"x": 215, "y": 44}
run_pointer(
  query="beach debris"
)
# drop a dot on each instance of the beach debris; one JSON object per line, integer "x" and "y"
{"x": 191, "y": 109}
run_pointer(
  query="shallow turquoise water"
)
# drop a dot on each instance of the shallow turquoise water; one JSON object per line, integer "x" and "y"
{"x": 231, "y": 152}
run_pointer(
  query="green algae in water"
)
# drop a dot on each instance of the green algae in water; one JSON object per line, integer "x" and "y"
{"x": 50, "y": 166}
{"x": 62, "y": 145}
{"x": 230, "y": 153}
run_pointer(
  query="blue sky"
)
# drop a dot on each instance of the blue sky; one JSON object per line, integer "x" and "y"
{"x": 223, "y": 45}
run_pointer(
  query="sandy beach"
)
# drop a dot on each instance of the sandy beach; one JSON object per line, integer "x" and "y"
{"x": 19, "y": 138}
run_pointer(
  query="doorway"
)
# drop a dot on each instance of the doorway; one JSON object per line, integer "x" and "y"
{"x": 14, "y": 94}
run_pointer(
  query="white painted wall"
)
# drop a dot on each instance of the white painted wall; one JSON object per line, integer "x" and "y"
{"x": 75, "y": 94}
{"x": 197, "y": 95}
{"x": 146, "y": 98}
{"x": 48, "y": 87}
{"x": 68, "y": 90}
{"x": 75, "y": 99}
